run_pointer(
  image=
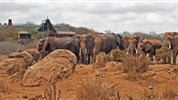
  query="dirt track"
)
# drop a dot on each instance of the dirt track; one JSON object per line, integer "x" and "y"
{"x": 159, "y": 77}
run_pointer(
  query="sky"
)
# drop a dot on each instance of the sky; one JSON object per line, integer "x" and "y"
{"x": 133, "y": 16}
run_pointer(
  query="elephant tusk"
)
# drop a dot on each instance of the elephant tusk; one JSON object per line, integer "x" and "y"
{"x": 85, "y": 50}
{"x": 169, "y": 45}
{"x": 127, "y": 51}
{"x": 136, "y": 51}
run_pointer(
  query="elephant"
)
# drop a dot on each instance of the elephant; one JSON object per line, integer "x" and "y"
{"x": 87, "y": 43}
{"x": 130, "y": 43}
{"x": 170, "y": 40}
{"x": 149, "y": 46}
{"x": 50, "y": 44}
{"x": 105, "y": 43}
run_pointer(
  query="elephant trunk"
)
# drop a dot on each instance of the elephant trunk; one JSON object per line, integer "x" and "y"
{"x": 132, "y": 49}
{"x": 83, "y": 52}
{"x": 45, "y": 44}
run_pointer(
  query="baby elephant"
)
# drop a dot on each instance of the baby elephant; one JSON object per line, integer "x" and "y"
{"x": 149, "y": 46}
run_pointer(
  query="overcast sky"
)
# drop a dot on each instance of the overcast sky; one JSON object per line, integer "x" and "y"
{"x": 100, "y": 16}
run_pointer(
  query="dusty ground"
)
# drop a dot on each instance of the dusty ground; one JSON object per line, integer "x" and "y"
{"x": 159, "y": 77}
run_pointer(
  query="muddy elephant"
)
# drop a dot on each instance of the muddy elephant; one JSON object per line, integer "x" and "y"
{"x": 105, "y": 43}
{"x": 87, "y": 43}
{"x": 50, "y": 44}
{"x": 149, "y": 46}
{"x": 170, "y": 40}
{"x": 130, "y": 43}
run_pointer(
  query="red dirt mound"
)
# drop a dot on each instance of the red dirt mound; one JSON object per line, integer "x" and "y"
{"x": 58, "y": 64}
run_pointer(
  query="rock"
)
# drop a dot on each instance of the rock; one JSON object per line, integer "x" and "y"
{"x": 56, "y": 65}
{"x": 28, "y": 58}
{"x": 35, "y": 54}
{"x": 16, "y": 64}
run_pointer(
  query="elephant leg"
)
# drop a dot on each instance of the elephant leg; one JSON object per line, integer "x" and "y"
{"x": 151, "y": 55}
{"x": 82, "y": 58}
{"x": 88, "y": 59}
{"x": 91, "y": 58}
{"x": 174, "y": 52}
{"x": 78, "y": 57}
{"x": 94, "y": 56}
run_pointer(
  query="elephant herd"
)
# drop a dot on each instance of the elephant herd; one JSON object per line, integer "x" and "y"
{"x": 87, "y": 46}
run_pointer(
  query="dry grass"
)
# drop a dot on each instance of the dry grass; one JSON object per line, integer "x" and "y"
{"x": 117, "y": 55}
{"x": 101, "y": 59}
{"x": 51, "y": 93}
{"x": 5, "y": 87}
{"x": 135, "y": 66}
{"x": 149, "y": 94}
{"x": 96, "y": 90}
{"x": 169, "y": 94}
{"x": 8, "y": 34}
{"x": 163, "y": 55}
{"x": 8, "y": 47}
{"x": 32, "y": 45}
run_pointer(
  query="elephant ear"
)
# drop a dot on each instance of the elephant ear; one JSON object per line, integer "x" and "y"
{"x": 45, "y": 44}
{"x": 120, "y": 36}
{"x": 172, "y": 35}
{"x": 40, "y": 44}
{"x": 148, "y": 46}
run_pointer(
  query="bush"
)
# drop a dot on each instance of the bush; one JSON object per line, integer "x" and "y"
{"x": 134, "y": 64}
{"x": 101, "y": 60}
{"x": 33, "y": 44}
{"x": 96, "y": 90}
{"x": 8, "y": 47}
{"x": 163, "y": 55}
{"x": 117, "y": 55}
{"x": 8, "y": 34}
